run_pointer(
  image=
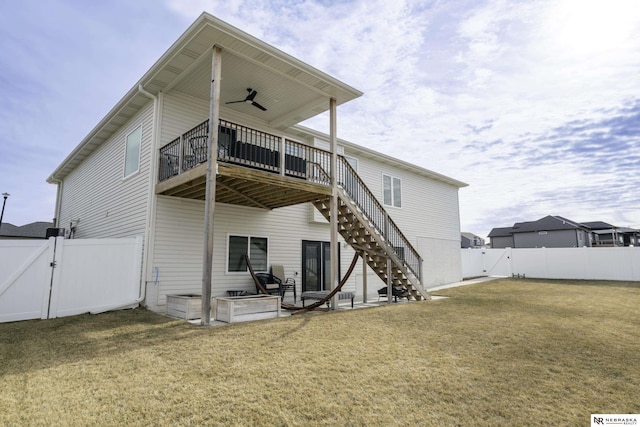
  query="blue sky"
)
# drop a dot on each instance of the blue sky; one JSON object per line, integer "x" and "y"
{"x": 535, "y": 104}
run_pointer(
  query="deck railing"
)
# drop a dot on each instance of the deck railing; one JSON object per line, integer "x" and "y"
{"x": 247, "y": 147}
{"x": 357, "y": 190}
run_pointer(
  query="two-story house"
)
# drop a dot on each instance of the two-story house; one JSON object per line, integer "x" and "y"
{"x": 470, "y": 240}
{"x": 271, "y": 189}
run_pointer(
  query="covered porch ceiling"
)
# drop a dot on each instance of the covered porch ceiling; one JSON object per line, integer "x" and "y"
{"x": 290, "y": 90}
{"x": 286, "y": 100}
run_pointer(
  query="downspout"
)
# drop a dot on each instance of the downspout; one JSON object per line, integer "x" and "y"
{"x": 56, "y": 213}
{"x": 150, "y": 192}
{"x": 145, "y": 247}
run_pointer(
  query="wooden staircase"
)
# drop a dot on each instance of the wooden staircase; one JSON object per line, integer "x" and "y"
{"x": 368, "y": 229}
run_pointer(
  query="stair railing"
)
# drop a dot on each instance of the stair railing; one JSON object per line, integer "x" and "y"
{"x": 357, "y": 190}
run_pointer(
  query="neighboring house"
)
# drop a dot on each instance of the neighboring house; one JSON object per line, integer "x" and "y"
{"x": 605, "y": 234}
{"x": 142, "y": 172}
{"x": 34, "y": 230}
{"x": 549, "y": 232}
{"x": 501, "y": 237}
{"x": 630, "y": 236}
{"x": 470, "y": 240}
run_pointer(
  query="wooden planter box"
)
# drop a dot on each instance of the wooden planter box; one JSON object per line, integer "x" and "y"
{"x": 243, "y": 308}
{"x": 187, "y": 306}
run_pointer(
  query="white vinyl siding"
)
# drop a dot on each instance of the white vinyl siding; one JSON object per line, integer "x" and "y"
{"x": 429, "y": 207}
{"x": 132, "y": 152}
{"x": 179, "y": 241}
{"x": 95, "y": 195}
{"x": 442, "y": 261}
{"x": 181, "y": 113}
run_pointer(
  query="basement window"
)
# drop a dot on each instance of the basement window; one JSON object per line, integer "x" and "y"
{"x": 132, "y": 153}
{"x": 255, "y": 247}
{"x": 392, "y": 191}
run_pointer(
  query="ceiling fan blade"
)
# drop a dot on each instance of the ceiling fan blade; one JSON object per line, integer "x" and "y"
{"x": 249, "y": 99}
{"x": 255, "y": 104}
{"x": 252, "y": 94}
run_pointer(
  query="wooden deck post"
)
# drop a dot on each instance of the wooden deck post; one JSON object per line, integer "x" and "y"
{"x": 181, "y": 155}
{"x": 333, "y": 138}
{"x": 389, "y": 273}
{"x": 364, "y": 277}
{"x": 389, "y": 281}
{"x": 210, "y": 194}
{"x": 282, "y": 155}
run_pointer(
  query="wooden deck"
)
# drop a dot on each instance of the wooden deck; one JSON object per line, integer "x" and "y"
{"x": 254, "y": 168}
{"x": 244, "y": 186}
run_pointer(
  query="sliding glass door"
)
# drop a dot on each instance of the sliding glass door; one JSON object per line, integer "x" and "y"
{"x": 316, "y": 265}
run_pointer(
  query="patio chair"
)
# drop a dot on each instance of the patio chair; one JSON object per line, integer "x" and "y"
{"x": 272, "y": 284}
{"x": 288, "y": 283}
{"x": 396, "y": 291}
{"x": 198, "y": 146}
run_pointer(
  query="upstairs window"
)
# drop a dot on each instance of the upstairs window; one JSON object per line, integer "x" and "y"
{"x": 392, "y": 191}
{"x": 132, "y": 153}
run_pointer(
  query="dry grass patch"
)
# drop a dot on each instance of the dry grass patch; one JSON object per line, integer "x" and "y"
{"x": 506, "y": 352}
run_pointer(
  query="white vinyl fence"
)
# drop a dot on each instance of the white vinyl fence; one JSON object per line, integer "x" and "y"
{"x": 59, "y": 277}
{"x": 554, "y": 263}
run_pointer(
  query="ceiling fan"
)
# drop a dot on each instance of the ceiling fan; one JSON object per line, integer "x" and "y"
{"x": 250, "y": 99}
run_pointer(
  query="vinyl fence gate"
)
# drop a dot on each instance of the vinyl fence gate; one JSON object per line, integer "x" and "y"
{"x": 61, "y": 277}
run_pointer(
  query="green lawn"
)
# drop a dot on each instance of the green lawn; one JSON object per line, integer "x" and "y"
{"x": 505, "y": 352}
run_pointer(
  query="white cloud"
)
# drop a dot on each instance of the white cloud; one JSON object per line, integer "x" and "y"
{"x": 483, "y": 91}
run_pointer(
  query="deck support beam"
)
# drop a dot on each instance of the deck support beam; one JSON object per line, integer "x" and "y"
{"x": 210, "y": 193}
{"x": 389, "y": 280}
{"x": 283, "y": 157}
{"x": 364, "y": 277}
{"x": 333, "y": 212}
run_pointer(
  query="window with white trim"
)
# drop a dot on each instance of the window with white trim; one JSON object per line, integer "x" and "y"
{"x": 392, "y": 191}
{"x": 132, "y": 152}
{"x": 239, "y": 246}
{"x": 352, "y": 161}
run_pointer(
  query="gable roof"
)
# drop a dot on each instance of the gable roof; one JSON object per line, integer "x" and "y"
{"x": 548, "y": 223}
{"x": 292, "y": 90}
{"x": 501, "y": 232}
{"x": 36, "y": 230}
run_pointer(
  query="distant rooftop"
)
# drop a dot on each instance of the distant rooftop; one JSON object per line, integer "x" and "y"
{"x": 35, "y": 230}
{"x": 598, "y": 225}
